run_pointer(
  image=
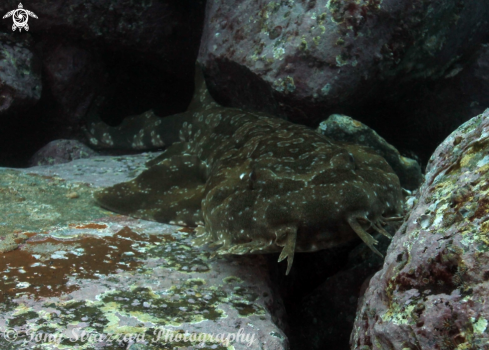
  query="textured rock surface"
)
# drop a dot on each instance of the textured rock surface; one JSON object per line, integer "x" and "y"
{"x": 432, "y": 291}
{"x": 20, "y": 74}
{"x": 78, "y": 268}
{"x": 75, "y": 77}
{"x": 152, "y": 27}
{"x": 343, "y": 128}
{"x": 310, "y": 56}
{"x": 61, "y": 151}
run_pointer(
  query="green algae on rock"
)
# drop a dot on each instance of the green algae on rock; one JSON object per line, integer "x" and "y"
{"x": 252, "y": 183}
{"x": 32, "y": 202}
{"x": 346, "y": 129}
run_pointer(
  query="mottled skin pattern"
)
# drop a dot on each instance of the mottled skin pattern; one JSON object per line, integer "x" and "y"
{"x": 252, "y": 183}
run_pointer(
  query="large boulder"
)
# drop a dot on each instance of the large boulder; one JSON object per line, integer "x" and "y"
{"x": 75, "y": 77}
{"x": 432, "y": 292}
{"x": 306, "y": 59}
{"x": 164, "y": 30}
{"x": 20, "y": 74}
{"x": 61, "y": 151}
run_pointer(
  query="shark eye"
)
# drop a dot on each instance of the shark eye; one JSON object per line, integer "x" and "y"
{"x": 252, "y": 179}
{"x": 352, "y": 159}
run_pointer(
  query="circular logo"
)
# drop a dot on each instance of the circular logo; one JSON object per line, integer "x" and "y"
{"x": 10, "y": 334}
{"x": 20, "y": 17}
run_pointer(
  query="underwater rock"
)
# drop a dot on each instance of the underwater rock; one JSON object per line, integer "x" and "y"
{"x": 120, "y": 280}
{"x": 432, "y": 292}
{"x": 61, "y": 151}
{"x": 167, "y": 30}
{"x": 20, "y": 74}
{"x": 302, "y": 58}
{"x": 75, "y": 77}
{"x": 343, "y": 128}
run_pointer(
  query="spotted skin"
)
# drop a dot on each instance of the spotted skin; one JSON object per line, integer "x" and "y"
{"x": 252, "y": 183}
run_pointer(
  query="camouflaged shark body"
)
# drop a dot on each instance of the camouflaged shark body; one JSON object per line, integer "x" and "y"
{"x": 252, "y": 183}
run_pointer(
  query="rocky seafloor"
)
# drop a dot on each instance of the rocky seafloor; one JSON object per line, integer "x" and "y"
{"x": 75, "y": 276}
{"x": 413, "y": 70}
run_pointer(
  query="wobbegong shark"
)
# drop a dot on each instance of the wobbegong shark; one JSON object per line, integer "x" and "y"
{"x": 250, "y": 182}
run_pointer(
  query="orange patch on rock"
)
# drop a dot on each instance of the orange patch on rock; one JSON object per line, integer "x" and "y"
{"x": 90, "y": 226}
{"x": 30, "y": 234}
{"x": 24, "y": 273}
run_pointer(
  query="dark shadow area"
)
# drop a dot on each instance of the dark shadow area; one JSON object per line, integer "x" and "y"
{"x": 137, "y": 86}
{"x": 134, "y": 87}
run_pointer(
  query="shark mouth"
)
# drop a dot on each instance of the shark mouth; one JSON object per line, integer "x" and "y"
{"x": 288, "y": 240}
